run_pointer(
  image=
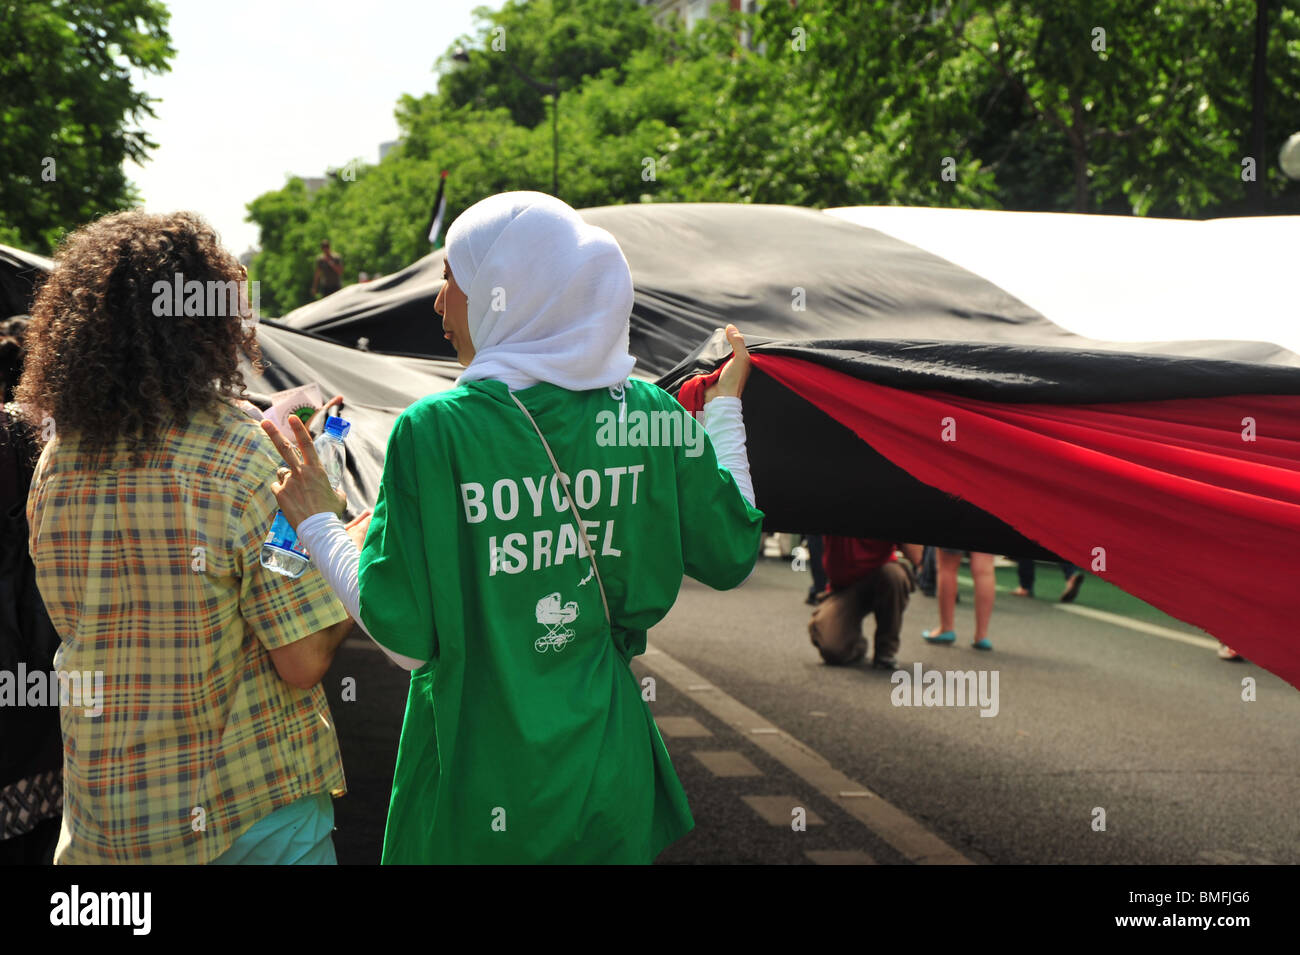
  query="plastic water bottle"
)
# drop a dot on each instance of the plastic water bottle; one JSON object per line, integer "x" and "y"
{"x": 281, "y": 551}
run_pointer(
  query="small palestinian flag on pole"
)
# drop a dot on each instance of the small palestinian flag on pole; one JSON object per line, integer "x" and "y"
{"x": 439, "y": 209}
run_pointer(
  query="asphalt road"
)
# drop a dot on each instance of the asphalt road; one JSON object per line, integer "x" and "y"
{"x": 788, "y": 761}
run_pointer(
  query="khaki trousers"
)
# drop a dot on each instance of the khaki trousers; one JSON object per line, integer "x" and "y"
{"x": 836, "y": 625}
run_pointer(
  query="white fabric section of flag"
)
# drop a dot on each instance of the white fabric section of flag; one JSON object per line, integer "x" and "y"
{"x": 1120, "y": 278}
{"x": 437, "y": 220}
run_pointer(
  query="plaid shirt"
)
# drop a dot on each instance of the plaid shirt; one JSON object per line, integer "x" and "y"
{"x": 152, "y": 576}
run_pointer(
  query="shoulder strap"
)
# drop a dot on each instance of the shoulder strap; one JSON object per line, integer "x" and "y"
{"x": 582, "y": 538}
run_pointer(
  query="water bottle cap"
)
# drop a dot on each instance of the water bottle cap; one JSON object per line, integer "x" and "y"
{"x": 337, "y": 427}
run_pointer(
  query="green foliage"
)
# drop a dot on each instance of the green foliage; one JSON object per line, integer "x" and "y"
{"x": 843, "y": 102}
{"x": 564, "y": 41}
{"x": 1153, "y": 124}
{"x": 69, "y": 111}
{"x": 283, "y": 217}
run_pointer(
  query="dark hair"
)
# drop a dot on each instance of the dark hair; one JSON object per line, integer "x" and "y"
{"x": 101, "y": 360}
{"x": 12, "y": 332}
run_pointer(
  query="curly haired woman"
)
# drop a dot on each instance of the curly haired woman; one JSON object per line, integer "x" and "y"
{"x": 198, "y": 731}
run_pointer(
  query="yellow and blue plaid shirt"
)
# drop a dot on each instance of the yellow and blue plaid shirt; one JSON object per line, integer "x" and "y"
{"x": 152, "y": 577}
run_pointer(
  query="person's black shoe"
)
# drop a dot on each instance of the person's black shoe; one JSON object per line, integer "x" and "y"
{"x": 885, "y": 663}
{"x": 1072, "y": 588}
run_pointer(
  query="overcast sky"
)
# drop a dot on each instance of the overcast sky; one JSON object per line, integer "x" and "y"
{"x": 263, "y": 89}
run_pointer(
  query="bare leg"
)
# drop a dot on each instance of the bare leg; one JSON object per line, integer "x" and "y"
{"x": 981, "y": 570}
{"x": 945, "y": 590}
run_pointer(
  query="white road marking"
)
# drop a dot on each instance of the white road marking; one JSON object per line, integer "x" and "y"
{"x": 910, "y": 838}
{"x": 727, "y": 763}
{"x": 1141, "y": 626}
{"x": 684, "y": 726}
{"x": 779, "y": 810}
{"x": 1154, "y": 629}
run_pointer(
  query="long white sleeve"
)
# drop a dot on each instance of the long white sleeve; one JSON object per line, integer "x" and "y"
{"x": 334, "y": 552}
{"x": 725, "y": 424}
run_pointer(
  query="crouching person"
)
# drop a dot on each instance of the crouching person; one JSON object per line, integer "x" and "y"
{"x": 863, "y": 577}
{"x": 198, "y": 731}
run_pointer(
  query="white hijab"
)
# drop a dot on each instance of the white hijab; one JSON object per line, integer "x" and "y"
{"x": 549, "y": 295}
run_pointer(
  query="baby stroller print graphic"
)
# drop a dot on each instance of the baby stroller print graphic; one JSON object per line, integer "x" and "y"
{"x": 554, "y": 617}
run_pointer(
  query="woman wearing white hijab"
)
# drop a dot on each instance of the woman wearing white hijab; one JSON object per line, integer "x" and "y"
{"x": 532, "y": 523}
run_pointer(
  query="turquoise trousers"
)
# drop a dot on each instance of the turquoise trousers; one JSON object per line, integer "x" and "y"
{"x": 296, "y": 834}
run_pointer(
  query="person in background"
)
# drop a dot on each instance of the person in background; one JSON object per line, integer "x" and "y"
{"x": 863, "y": 578}
{"x": 12, "y": 332}
{"x": 816, "y": 568}
{"x": 926, "y": 572}
{"x": 981, "y": 569}
{"x": 31, "y": 747}
{"x": 328, "y": 275}
{"x": 1073, "y": 580}
{"x": 208, "y": 737}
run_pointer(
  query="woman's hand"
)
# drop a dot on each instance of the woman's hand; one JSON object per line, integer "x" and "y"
{"x": 335, "y": 402}
{"x": 735, "y": 373}
{"x": 303, "y": 489}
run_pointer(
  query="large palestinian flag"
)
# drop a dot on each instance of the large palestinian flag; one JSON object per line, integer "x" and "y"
{"x": 1110, "y": 390}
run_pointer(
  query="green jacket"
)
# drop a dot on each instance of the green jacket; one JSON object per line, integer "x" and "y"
{"x": 526, "y": 738}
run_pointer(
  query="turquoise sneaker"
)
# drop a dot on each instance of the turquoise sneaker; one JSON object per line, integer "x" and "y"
{"x": 982, "y": 644}
{"x": 934, "y": 636}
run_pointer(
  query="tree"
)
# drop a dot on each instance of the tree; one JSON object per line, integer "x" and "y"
{"x": 69, "y": 114}
{"x": 284, "y": 277}
{"x": 564, "y": 40}
{"x": 1114, "y": 106}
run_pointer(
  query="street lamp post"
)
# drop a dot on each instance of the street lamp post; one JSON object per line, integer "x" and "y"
{"x": 551, "y": 89}
{"x": 1259, "y": 99}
